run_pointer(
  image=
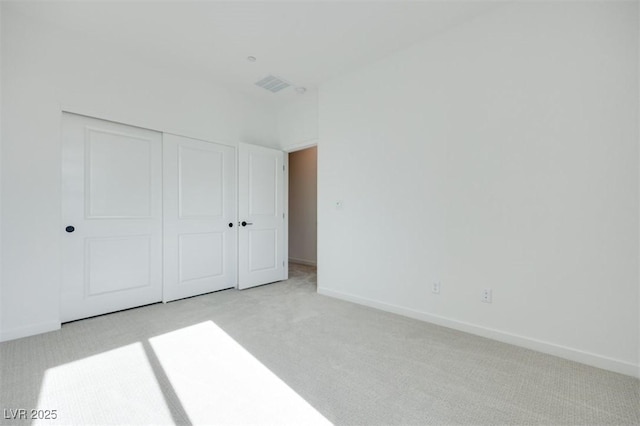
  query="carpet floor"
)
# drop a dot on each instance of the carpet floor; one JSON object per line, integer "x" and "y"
{"x": 283, "y": 354}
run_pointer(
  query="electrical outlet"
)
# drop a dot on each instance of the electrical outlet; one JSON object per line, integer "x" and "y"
{"x": 486, "y": 295}
{"x": 435, "y": 287}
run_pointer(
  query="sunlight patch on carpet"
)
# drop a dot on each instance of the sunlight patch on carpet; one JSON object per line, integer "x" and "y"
{"x": 218, "y": 381}
{"x": 113, "y": 387}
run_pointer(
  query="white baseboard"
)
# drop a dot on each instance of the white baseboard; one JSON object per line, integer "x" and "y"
{"x": 29, "y": 330}
{"x": 572, "y": 354}
{"x": 303, "y": 262}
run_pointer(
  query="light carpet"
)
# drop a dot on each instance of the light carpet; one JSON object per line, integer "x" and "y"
{"x": 282, "y": 354}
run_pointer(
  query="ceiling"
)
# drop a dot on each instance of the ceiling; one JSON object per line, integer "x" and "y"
{"x": 303, "y": 42}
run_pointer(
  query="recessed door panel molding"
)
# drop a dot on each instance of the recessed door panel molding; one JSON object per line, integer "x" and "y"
{"x": 200, "y": 231}
{"x": 201, "y": 179}
{"x": 114, "y": 161}
{"x": 264, "y": 250}
{"x": 112, "y": 213}
{"x": 262, "y": 246}
{"x": 132, "y": 255}
{"x": 264, "y": 170}
{"x": 201, "y": 256}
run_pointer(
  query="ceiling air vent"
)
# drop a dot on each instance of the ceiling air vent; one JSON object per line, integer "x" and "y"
{"x": 272, "y": 83}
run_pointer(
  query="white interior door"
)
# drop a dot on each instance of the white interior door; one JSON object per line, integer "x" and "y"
{"x": 200, "y": 232}
{"x": 261, "y": 241}
{"x": 112, "y": 213}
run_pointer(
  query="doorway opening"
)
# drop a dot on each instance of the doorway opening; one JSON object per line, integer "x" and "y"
{"x": 303, "y": 217}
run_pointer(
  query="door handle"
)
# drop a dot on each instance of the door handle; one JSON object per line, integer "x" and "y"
{"x": 69, "y": 229}
{"x": 246, "y": 223}
{"x": 230, "y": 224}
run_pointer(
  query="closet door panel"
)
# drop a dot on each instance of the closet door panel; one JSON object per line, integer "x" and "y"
{"x": 112, "y": 217}
{"x": 200, "y": 237}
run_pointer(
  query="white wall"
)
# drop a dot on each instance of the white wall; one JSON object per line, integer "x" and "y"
{"x": 1, "y": 7}
{"x": 303, "y": 206}
{"x": 45, "y": 70}
{"x": 501, "y": 154}
{"x": 298, "y": 122}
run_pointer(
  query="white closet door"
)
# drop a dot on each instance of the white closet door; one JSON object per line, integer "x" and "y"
{"x": 200, "y": 233}
{"x": 262, "y": 246}
{"x": 112, "y": 213}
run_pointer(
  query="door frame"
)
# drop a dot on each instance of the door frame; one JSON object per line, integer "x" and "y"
{"x": 310, "y": 143}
